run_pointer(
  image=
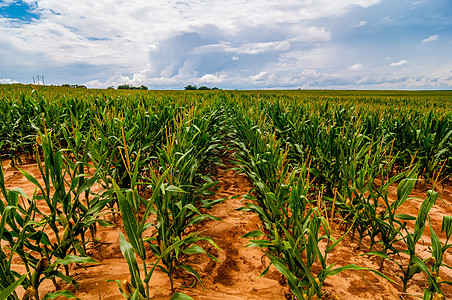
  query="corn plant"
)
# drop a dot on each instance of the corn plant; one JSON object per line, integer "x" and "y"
{"x": 429, "y": 266}
{"x": 28, "y": 240}
{"x": 175, "y": 202}
{"x": 169, "y": 250}
{"x": 434, "y": 263}
{"x": 294, "y": 250}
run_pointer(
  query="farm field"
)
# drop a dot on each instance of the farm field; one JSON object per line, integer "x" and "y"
{"x": 110, "y": 194}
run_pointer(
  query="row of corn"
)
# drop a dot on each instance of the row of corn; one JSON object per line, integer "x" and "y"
{"x": 317, "y": 167}
{"x": 148, "y": 160}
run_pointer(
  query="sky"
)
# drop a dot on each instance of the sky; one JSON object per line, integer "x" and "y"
{"x": 234, "y": 44}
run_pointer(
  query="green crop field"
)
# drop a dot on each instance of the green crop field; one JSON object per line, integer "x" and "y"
{"x": 321, "y": 163}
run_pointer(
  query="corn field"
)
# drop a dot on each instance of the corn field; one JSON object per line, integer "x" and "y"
{"x": 321, "y": 164}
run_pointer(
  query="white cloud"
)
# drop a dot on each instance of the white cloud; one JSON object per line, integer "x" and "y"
{"x": 256, "y": 48}
{"x": 6, "y": 2}
{"x": 115, "y": 80}
{"x": 399, "y": 63}
{"x": 7, "y": 81}
{"x": 308, "y": 34}
{"x": 417, "y": 2}
{"x": 121, "y": 32}
{"x": 357, "y": 67}
{"x": 431, "y": 38}
{"x": 260, "y": 77}
{"x": 210, "y": 78}
{"x": 359, "y": 24}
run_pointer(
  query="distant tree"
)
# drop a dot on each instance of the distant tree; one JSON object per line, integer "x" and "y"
{"x": 74, "y": 86}
{"x": 124, "y": 87}
{"x": 110, "y": 87}
{"x": 130, "y": 87}
{"x": 201, "y": 88}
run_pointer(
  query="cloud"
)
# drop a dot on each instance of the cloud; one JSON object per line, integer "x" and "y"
{"x": 5, "y": 3}
{"x": 115, "y": 80}
{"x": 260, "y": 77}
{"x": 357, "y": 67}
{"x": 417, "y": 2}
{"x": 399, "y": 63}
{"x": 210, "y": 78}
{"x": 431, "y": 38}
{"x": 359, "y": 24}
{"x": 256, "y": 48}
{"x": 105, "y": 32}
{"x": 7, "y": 81}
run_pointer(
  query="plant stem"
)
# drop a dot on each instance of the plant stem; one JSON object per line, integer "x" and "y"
{"x": 147, "y": 283}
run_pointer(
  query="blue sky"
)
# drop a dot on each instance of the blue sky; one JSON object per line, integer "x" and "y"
{"x": 347, "y": 44}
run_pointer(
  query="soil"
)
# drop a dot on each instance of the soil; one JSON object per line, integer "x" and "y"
{"x": 237, "y": 275}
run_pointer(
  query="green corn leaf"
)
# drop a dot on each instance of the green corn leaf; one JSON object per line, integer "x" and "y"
{"x": 150, "y": 206}
{"x": 405, "y": 217}
{"x": 174, "y": 189}
{"x": 130, "y": 223}
{"x": 192, "y": 208}
{"x": 66, "y": 294}
{"x": 12, "y": 287}
{"x": 355, "y": 267}
{"x": 87, "y": 185}
{"x": 32, "y": 180}
{"x": 189, "y": 269}
{"x": 257, "y": 209}
{"x": 63, "y": 277}
{"x": 210, "y": 241}
{"x": 436, "y": 246}
{"x": 447, "y": 226}
{"x": 207, "y": 186}
{"x": 197, "y": 219}
{"x": 129, "y": 255}
{"x": 252, "y": 234}
{"x": 259, "y": 243}
{"x": 20, "y": 191}
{"x": 404, "y": 189}
{"x": 5, "y": 216}
{"x": 331, "y": 247}
{"x": 422, "y": 215}
{"x": 291, "y": 278}
{"x": 180, "y": 296}
{"x": 425, "y": 269}
{"x": 210, "y": 203}
{"x": 379, "y": 254}
{"x": 213, "y": 257}
{"x": 265, "y": 271}
{"x": 136, "y": 295}
{"x": 427, "y": 295}
{"x": 118, "y": 282}
{"x": 134, "y": 175}
{"x": 445, "y": 247}
{"x": 194, "y": 249}
{"x": 69, "y": 259}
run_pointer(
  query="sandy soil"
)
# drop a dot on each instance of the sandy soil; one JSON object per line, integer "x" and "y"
{"x": 236, "y": 276}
